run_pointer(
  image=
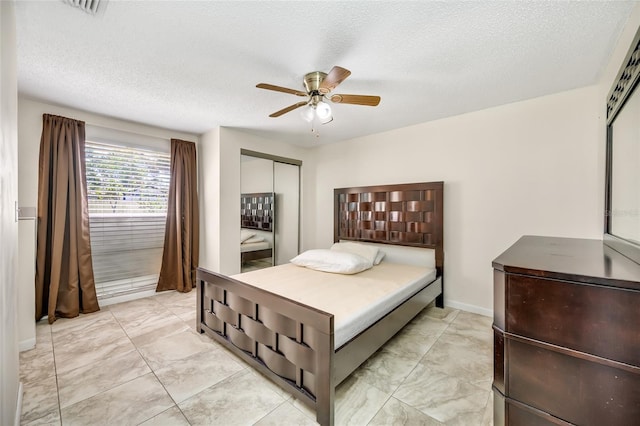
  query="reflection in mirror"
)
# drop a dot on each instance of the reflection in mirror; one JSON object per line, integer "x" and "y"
{"x": 622, "y": 190}
{"x": 625, "y": 171}
{"x": 257, "y": 214}
{"x": 257, "y": 229}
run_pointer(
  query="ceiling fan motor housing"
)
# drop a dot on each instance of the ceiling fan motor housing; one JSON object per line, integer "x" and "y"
{"x": 313, "y": 80}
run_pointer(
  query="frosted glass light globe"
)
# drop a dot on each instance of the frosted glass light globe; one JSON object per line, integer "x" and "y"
{"x": 323, "y": 110}
{"x": 307, "y": 113}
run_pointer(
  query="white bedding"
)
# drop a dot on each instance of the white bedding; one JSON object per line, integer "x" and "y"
{"x": 356, "y": 301}
{"x": 262, "y": 245}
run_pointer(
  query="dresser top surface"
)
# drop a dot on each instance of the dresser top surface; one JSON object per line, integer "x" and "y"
{"x": 573, "y": 259}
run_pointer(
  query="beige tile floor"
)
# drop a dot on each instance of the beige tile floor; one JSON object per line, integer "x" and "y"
{"x": 142, "y": 362}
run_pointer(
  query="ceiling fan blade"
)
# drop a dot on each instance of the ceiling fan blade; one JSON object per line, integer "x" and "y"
{"x": 356, "y": 99}
{"x": 280, "y": 89}
{"x": 336, "y": 76}
{"x": 288, "y": 109}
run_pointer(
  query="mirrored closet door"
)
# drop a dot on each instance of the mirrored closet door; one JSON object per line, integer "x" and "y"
{"x": 269, "y": 210}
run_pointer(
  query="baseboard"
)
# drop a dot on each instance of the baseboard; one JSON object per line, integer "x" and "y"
{"x": 469, "y": 308}
{"x": 27, "y": 344}
{"x": 17, "y": 419}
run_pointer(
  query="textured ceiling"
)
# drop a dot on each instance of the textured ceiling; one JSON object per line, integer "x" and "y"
{"x": 192, "y": 66}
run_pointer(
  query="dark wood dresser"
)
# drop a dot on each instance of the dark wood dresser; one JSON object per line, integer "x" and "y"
{"x": 566, "y": 334}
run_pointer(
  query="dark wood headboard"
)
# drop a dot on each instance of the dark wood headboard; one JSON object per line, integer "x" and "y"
{"x": 256, "y": 210}
{"x": 405, "y": 214}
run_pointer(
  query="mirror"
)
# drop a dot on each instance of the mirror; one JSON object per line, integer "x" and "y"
{"x": 622, "y": 219}
{"x": 625, "y": 171}
{"x": 257, "y": 246}
{"x": 257, "y": 215}
{"x": 269, "y": 210}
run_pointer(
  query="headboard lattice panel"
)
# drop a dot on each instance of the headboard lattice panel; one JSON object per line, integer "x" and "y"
{"x": 405, "y": 214}
{"x": 256, "y": 210}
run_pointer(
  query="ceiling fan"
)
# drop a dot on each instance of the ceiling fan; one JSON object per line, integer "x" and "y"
{"x": 319, "y": 85}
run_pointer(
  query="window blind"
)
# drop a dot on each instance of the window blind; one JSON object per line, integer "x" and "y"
{"x": 127, "y": 190}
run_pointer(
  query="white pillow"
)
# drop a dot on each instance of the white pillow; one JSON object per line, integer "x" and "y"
{"x": 334, "y": 261}
{"x": 245, "y": 235}
{"x": 368, "y": 252}
{"x": 379, "y": 257}
{"x": 254, "y": 239}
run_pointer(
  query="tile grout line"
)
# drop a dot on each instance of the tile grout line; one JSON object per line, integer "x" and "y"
{"x": 189, "y": 329}
{"x": 99, "y": 393}
{"x": 448, "y": 324}
{"x": 381, "y": 406}
{"x": 460, "y": 379}
{"x": 55, "y": 372}
{"x": 152, "y": 370}
{"x": 274, "y": 409}
{"x": 120, "y": 384}
{"x": 391, "y": 395}
{"x": 154, "y": 373}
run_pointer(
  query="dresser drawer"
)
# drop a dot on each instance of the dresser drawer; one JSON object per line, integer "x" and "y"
{"x": 598, "y": 320}
{"x": 576, "y": 390}
{"x": 516, "y": 414}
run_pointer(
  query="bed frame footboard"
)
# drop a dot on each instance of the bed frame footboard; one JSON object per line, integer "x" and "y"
{"x": 290, "y": 343}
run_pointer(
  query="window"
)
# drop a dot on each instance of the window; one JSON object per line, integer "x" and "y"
{"x": 128, "y": 193}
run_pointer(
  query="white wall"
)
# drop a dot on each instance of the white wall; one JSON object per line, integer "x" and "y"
{"x": 10, "y": 390}
{"x": 209, "y": 198}
{"x": 220, "y": 180}
{"x": 30, "y": 130}
{"x": 256, "y": 175}
{"x": 524, "y": 168}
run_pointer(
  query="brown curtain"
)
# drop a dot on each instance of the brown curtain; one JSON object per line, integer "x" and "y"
{"x": 181, "y": 239}
{"x": 64, "y": 273}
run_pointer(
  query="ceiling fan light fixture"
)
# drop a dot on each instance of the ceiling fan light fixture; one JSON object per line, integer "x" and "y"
{"x": 308, "y": 113}
{"x": 327, "y": 120}
{"x": 323, "y": 110}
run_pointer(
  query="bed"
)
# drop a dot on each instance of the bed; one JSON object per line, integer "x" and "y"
{"x": 259, "y": 245}
{"x": 303, "y": 348}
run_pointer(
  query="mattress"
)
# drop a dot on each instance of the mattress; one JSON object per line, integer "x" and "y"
{"x": 356, "y": 301}
{"x": 262, "y": 245}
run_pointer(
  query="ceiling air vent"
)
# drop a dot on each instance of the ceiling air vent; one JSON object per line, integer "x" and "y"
{"x": 90, "y": 6}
